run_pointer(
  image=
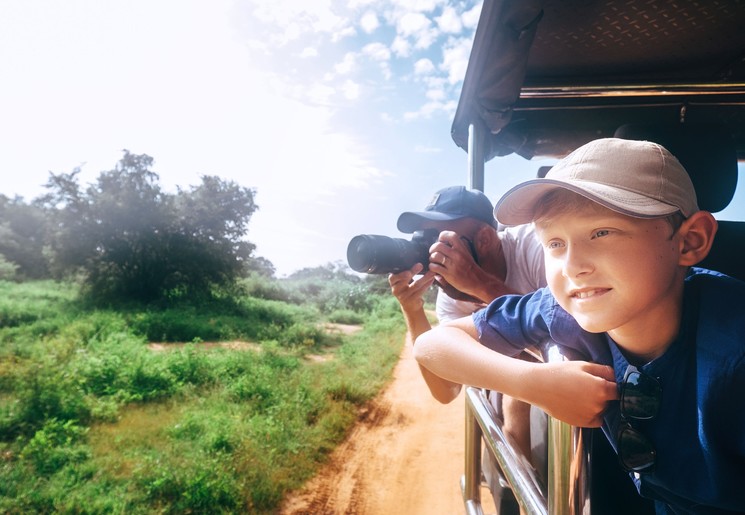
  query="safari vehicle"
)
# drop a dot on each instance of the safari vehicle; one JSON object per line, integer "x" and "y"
{"x": 545, "y": 77}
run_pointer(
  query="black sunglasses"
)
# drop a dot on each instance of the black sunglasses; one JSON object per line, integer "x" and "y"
{"x": 641, "y": 395}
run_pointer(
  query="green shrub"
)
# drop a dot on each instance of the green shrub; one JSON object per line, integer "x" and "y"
{"x": 8, "y": 269}
{"x": 150, "y": 379}
{"x": 241, "y": 318}
{"x": 45, "y": 393}
{"x": 178, "y": 325}
{"x": 254, "y": 389}
{"x": 346, "y": 316}
{"x": 262, "y": 287}
{"x": 55, "y": 445}
{"x": 212, "y": 429}
{"x": 201, "y": 487}
{"x": 191, "y": 366}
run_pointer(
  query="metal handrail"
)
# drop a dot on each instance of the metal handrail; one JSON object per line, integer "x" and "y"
{"x": 482, "y": 423}
{"x": 568, "y": 478}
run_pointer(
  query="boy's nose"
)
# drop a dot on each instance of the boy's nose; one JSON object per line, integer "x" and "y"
{"x": 577, "y": 261}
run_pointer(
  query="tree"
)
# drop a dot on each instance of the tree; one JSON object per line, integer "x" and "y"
{"x": 134, "y": 241}
{"x": 22, "y": 237}
{"x": 260, "y": 266}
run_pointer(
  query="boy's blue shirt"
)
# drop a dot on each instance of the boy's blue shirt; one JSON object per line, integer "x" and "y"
{"x": 699, "y": 433}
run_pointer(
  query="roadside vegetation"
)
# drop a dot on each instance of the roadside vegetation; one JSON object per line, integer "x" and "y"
{"x": 150, "y": 362}
{"x": 94, "y": 421}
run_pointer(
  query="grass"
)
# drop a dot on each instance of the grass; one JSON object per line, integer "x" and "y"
{"x": 92, "y": 421}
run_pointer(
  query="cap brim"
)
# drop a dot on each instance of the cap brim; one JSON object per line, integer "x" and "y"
{"x": 518, "y": 205}
{"x": 412, "y": 221}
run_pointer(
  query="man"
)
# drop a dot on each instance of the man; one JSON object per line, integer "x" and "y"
{"x": 472, "y": 258}
{"x": 474, "y": 261}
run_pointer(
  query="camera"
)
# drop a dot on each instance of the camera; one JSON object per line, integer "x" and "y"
{"x": 375, "y": 254}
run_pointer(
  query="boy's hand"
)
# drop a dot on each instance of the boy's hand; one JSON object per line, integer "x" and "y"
{"x": 577, "y": 392}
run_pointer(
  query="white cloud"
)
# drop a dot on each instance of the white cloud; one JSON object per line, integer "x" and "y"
{"x": 291, "y": 19}
{"x": 318, "y": 94}
{"x": 418, "y": 27}
{"x": 401, "y": 47}
{"x": 436, "y": 94}
{"x": 417, "y": 5}
{"x": 350, "y": 89}
{"x": 380, "y": 53}
{"x": 343, "y": 33}
{"x": 432, "y": 108}
{"x": 423, "y": 67}
{"x": 369, "y": 22}
{"x": 377, "y": 51}
{"x": 347, "y": 64}
{"x": 309, "y": 52}
{"x": 449, "y": 21}
{"x": 387, "y": 118}
{"x": 355, "y": 4}
{"x": 455, "y": 54}
{"x": 471, "y": 17}
{"x": 411, "y": 24}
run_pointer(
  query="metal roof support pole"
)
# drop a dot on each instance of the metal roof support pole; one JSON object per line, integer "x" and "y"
{"x": 476, "y": 157}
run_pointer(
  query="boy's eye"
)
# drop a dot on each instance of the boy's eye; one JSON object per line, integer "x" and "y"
{"x": 554, "y": 244}
{"x": 600, "y": 233}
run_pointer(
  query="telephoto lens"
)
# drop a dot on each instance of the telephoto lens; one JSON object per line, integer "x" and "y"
{"x": 376, "y": 254}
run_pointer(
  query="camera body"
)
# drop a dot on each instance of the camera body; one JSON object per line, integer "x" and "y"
{"x": 376, "y": 254}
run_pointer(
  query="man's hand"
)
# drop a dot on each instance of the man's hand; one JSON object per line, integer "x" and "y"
{"x": 453, "y": 262}
{"x": 408, "y": 289}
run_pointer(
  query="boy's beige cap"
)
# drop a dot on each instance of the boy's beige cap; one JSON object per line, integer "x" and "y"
{"x": 635, "y": 178}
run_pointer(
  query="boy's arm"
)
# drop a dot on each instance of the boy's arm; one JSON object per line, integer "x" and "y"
{"x": 573, "y": 391}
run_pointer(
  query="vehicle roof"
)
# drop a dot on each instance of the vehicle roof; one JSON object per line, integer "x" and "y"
{"x": 545, "y": 77}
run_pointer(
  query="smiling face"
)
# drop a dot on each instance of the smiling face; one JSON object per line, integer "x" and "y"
{"x": 614, "y": 273}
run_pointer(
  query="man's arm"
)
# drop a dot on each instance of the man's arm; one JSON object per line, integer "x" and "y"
{"x": 576, "y": 392}
{"x": 409, "y": 291}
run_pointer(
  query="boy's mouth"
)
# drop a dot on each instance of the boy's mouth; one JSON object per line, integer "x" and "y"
{"x": 586, "y": 294}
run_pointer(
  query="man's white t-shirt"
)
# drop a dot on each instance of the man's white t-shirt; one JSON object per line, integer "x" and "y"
{"x": 525, "y": 271}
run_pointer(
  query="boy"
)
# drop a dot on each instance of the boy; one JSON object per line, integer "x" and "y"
{"x": 621, "y": 229}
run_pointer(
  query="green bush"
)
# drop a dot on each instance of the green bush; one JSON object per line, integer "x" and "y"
{"x": 346, "y": 316}
{"x": 262, "y": 287}
{"x": 44, "y": 393}
{"x": 191, "y": 366}
{"x": 193, "y": 489}
{"x": 8, "y": 269}
{"x": 55, "y": 445}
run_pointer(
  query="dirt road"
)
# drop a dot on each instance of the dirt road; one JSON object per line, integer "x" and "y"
{"x": 404, "y": 456}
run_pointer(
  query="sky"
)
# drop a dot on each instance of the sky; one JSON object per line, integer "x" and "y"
{"x": 337, "y": 113}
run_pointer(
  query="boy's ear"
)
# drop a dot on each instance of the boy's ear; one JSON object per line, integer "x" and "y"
{"x": 697, "y": 233}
